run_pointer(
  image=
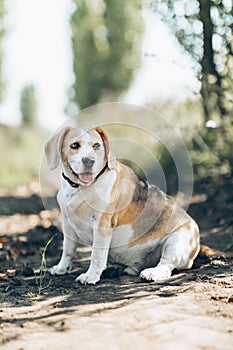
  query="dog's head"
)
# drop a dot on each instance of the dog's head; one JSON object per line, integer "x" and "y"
{"x": 83, "y": 153}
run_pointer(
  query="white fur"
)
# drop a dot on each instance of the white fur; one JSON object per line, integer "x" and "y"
{"x": 175, "y": 253}
{"x": 83, "y": 228}
{"x": 82, "y": 211}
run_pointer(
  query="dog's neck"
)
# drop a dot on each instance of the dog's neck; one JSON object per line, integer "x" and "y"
{"x": 70, "y": 182}
{"x": 75, "y": 184}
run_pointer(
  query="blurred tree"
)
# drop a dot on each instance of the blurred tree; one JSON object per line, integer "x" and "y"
{"x": 2, "y": 32}
{"x": 28, "y": 105}
{"x": 205, "y": 29}
{"x": 106, "y": 47}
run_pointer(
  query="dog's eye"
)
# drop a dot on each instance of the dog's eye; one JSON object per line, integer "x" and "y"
{"x": 75, "y": 145}
{"x": 96, "y": 146}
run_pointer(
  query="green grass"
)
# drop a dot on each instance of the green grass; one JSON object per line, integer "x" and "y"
{"x": 20, "y": 155}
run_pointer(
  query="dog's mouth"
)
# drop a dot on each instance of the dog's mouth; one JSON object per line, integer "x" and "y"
{"x": 86, "y": 178}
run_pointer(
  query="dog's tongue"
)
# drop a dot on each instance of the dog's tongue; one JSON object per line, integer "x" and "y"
{"x": 86, "y": 177}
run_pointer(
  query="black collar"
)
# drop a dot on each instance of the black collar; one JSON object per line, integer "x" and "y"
{"x": 75, "y": 185}
{"x": 72, "y": 184}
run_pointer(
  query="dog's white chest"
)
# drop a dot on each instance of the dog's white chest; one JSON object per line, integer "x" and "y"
{"x": 83, "y": 207}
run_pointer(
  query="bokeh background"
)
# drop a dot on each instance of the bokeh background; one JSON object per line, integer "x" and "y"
{"x": 58, "y": 57}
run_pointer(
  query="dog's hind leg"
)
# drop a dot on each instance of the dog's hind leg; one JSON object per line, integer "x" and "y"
{"x": 178, "y": 252}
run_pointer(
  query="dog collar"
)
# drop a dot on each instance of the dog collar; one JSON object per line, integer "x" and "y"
{"x": 72, "y": 184}
{"x": 75, "y": 185}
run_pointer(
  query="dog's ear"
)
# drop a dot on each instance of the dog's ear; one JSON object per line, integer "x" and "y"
{"x": 111, "y": 159}
{"x": 53, "y": 148}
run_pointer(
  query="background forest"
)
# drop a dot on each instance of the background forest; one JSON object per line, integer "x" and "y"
{"x": 106, "y": 41}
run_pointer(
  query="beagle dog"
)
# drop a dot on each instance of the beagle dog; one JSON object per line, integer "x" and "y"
{"x": 127, "y": 221}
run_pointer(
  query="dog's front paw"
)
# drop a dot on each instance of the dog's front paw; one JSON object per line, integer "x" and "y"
{"x": 157, "y": 273}
{"x": 59, "y": 270}
{"x": 86, "y": 278}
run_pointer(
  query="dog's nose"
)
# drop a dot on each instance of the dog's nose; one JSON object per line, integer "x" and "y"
{"x": 88, "y": 162}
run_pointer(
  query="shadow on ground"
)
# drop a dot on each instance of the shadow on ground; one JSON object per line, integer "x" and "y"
{"x": 20, "y": 256}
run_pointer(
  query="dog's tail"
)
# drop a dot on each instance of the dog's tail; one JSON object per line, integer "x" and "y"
{"x": 207, "y": 252}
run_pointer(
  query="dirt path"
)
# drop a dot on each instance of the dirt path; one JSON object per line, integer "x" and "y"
{"x": 192, "y": 310}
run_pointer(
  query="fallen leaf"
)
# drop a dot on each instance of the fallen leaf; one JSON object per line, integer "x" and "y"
{"x": 22, "y": 239}
{"x": 3, "y": 277}
{"x": 217, "y": 283}
{"x": 4, "y": 240}
{"x": 224, "y": 299}
{"x": 11, "y": 272}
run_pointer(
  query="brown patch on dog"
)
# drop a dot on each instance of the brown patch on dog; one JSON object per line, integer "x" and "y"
{"x": 105, "y": 224}
{"x": 122, "y": 193}
{"x": 129, "y": 194}
{"x": 111, "y": 160}
{"x": 104, "y": 139}
{"x": 145, "y": 207}
{"x": 132, "y": 195}
{"x": 54, "y": 146}
{"x": 195, "y": 242}
{"x": 152, "y": 222}
{"x": 161, "y": 215}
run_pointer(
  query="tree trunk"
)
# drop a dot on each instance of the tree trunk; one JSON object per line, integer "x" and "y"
{"x": 211, "y": 89}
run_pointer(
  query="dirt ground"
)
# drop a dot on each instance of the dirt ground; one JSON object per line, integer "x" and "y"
{"x": 191, "y": 310}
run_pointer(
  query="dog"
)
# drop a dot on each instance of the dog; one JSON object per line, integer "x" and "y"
{"x": 127, "y": 221}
